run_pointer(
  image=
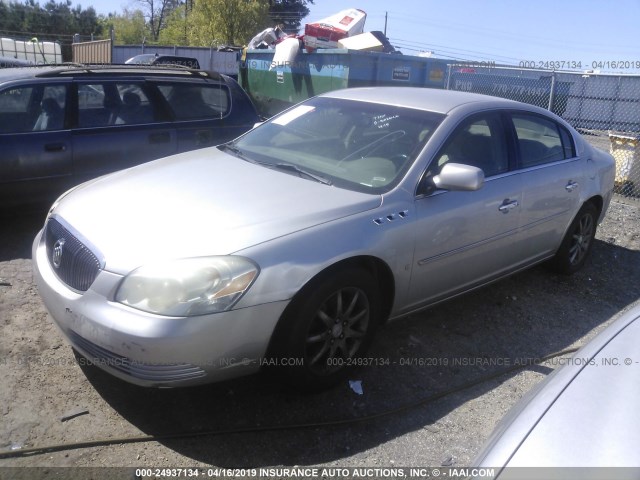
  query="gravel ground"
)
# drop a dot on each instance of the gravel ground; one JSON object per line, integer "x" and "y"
{"x": 527, "y": 316}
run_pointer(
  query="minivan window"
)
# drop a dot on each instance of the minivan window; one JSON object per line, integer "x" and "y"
{"x": 32, "y": 108}
{"x": 103, "y": 104}
{"x": 14, "y": 110}
{"x": 52, "y": 105}
{"x": 192, "y": 102}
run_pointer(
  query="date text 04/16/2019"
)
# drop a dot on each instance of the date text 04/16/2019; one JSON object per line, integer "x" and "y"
{"x": 579, "y": 65}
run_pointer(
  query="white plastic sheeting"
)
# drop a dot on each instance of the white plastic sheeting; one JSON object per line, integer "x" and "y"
{"x": 32, "y": 50}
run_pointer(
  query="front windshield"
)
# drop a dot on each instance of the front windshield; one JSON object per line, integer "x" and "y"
{"x": 357, "y": 145}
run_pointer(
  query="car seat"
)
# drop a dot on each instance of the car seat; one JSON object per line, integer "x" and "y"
{"x": 51, "y": 116}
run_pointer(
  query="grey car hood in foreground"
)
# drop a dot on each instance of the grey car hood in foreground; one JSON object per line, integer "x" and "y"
{"x": 199, "y": 203}
{"x": 584, "y": 415}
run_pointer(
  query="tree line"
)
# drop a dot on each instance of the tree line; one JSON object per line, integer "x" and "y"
{"x": 163, "y": 22}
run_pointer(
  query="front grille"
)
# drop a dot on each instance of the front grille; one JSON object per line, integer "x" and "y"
{"x": 71, "y": 260}
{"x": 153, "y": 372}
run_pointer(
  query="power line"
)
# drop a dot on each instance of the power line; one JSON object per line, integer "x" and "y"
{"x": 420, "y": 46}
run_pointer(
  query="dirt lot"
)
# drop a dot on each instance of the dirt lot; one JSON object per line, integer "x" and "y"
{"x": 526, "y": 316}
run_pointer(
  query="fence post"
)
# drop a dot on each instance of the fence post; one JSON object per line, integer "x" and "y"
{"x": 552, "y": 93}
{"x": 449, "y": 68}
{"x": 112, "y": 37}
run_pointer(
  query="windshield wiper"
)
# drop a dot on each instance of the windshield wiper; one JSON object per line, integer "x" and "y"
{"x": 235, "y": 151}
{"x": 294, "y": 168}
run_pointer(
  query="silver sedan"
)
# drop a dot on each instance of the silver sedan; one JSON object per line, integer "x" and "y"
{"x": 582, "y": 421}
{"x": 287, "y": 247}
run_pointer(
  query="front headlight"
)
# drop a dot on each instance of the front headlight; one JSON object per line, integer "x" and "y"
{"x": 190, "y": 286}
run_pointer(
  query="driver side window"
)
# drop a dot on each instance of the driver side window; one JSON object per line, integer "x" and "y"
{"x": 480, "y": 142}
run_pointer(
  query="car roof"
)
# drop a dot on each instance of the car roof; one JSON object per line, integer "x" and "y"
{"x": 430, "y": 99}
{"x": 176, "y": 56}
{"x": 62, "y": 71}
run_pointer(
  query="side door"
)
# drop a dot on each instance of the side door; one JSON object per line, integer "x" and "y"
{"x": 465, "y": 238}
{"x": 118, "y": 126}
{"x": 201, "y": 113}
{"x": 552, "y": 178}
{"x": 35, "y": 158}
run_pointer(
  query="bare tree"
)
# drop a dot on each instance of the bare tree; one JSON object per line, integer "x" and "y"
{"x": 156, "y": 12}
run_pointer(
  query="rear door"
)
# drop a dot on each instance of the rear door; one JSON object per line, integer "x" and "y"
{"x": 119, "y": 125}
{"x": 552, "y": 178}
{"x": 35, "y": 158}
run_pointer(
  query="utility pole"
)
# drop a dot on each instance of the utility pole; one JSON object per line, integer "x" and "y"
{"x": 385, "y": 23}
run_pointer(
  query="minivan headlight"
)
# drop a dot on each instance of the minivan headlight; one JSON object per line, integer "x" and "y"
{"x": 188, "y": 287}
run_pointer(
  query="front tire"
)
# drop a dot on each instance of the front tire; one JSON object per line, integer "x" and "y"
{"x": 577, "y": 242}
{"x": 327, "y": 326}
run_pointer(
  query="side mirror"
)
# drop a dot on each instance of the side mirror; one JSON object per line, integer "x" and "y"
{"x": 456, "y": 176}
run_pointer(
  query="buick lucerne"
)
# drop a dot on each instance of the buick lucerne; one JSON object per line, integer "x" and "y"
{"x": 298, "y": 238}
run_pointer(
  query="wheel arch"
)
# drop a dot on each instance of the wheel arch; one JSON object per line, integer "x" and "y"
{"x": 374, "y": 265}
{"x": 561, "y": 262}
{"x": 598, "y": 202}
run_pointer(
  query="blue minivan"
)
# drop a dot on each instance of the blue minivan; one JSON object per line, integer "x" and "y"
{"x": 60, "y": 126}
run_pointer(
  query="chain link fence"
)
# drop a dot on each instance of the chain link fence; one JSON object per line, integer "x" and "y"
{"x": 604, "y": 108}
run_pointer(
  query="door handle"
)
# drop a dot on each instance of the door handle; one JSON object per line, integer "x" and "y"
{"x": 162, "y": 137}
{"x": 55, "y": 147}
{"x": 508, "y": 205}
{"x": 571, "y": 186}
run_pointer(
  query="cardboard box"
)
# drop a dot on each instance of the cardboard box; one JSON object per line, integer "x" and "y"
{"x": 327, "y": 32}
{"x": 366, "y": 42}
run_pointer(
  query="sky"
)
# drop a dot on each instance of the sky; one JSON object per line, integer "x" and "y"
{"x": 590, "y": 33}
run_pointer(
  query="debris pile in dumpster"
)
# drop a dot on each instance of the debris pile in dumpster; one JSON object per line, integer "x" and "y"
{"x": 344, "y": 30}
{"x": 326, "y": 33}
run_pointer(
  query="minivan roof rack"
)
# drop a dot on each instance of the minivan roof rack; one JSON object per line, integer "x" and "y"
{"x": 107, "y": 68}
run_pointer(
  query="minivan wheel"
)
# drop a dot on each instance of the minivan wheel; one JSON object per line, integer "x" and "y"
{"x": 578, "y": 241}
{"x": 326, "y": 328}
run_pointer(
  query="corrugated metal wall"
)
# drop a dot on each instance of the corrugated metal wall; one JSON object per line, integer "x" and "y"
{"x": 209, "y": 58}
{"x": 98, "y": 51}
{"x": 102, "y": 51}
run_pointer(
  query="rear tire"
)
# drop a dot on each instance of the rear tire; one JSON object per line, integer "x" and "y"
{"x": 577, "y": 242}
{"x": 327, "y": 326}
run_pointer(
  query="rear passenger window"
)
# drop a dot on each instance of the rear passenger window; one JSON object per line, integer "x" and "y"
{"x": 541, "y": 141}
{"x": 567, "y": 143}
{"x": 105, "y": 104}
{"x": 51, "y": 111}
{"x": 193, "y": 101}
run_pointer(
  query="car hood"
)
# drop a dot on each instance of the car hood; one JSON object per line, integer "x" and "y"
{"x": 199, "y": 203}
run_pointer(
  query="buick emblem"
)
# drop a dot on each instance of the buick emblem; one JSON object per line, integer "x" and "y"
{"x": 56, "y": 258}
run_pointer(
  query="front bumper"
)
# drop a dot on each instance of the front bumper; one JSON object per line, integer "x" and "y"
{"x": 152, "y": 350}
